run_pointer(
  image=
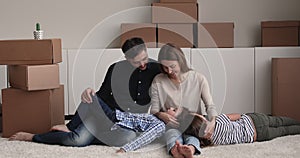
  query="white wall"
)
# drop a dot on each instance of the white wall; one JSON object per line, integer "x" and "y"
{"x": 72, "y": 20}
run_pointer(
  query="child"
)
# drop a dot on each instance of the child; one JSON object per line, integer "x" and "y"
{"x": 244, "y": 128}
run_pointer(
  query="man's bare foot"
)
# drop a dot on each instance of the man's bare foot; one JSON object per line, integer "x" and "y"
{"x": 22, "y": 136}
{"x": 186, "y": 150}
{"x": 175, "y": 152}
{"x": 63, "y": 128}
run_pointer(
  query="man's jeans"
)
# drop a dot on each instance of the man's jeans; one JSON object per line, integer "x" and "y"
{"x": 90, "y": 125}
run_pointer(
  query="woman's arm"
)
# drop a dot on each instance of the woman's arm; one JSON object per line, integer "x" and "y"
{"x": 233, "y": 117}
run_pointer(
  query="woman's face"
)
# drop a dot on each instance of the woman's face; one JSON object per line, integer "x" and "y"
{"x": 171, "y": 67}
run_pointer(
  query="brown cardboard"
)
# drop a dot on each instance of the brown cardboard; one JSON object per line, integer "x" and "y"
{"x": 34, "y": 77}
{"x": 179, "y": 34}
{"x": 145, "y": 31}
{"x": 216, "y": 35}
{"x": 285, "y": 87}
{"x": 178, "y": 1}
{"x": 34, "y": 112}
{"x": 174, "y": 12}
{"x": 279, "y": 33}
{"x": 19, "y": 52}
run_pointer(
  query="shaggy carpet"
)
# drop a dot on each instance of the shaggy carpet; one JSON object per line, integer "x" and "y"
{"x": 287, "y": 147}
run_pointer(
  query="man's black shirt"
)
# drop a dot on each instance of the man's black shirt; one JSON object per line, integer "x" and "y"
{"x": 127, "y": 88}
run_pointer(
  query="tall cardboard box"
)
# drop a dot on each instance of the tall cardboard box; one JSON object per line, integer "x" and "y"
{"x": 280, "y": 33}
{"x": 174, "y": 12}
{"x": 180, "y": 34}
{"x": 145, "y": 31}
{"x": 21, "y": 52}
{"x": 34, "y": 77}
{"x": 285, "y": 87}
{"x": 34, "y": 111}
{"x": 216, "y": 35}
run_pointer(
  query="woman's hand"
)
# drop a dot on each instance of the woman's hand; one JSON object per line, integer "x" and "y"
{"x": 210, "y": 128}
{"x": 168, "y": 119}
{"x": 86, "y": 95}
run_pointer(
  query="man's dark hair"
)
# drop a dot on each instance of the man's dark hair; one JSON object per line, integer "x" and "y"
{"x": 133, "y": 46}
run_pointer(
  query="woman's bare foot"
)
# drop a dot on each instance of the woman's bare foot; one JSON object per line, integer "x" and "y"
{"x": 175, "y": 152}
{"x": 22, "y": 136}
{"x": 63, "y": 128}
{"x": 186, "y": 150}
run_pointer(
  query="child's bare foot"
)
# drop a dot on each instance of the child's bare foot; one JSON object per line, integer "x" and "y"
{"x": 63, "y": 128}
{"x": 22, "y": 136}
{"x": 186, "y": 150}
{"x": 121, "y": 150}
{"x": 175, "y": 152}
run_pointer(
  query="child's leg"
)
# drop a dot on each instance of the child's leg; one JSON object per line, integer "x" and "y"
{"x": 171, "y": 136}
{"x": 278, "y": 121}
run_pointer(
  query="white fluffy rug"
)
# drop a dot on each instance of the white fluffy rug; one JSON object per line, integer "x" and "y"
{"x": 286, "y": 147}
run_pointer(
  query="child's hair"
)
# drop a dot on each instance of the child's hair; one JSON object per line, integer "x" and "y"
{"x": 191, "y": 125}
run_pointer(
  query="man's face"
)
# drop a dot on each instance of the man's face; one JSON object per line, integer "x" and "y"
{"x": 140, "y": 61}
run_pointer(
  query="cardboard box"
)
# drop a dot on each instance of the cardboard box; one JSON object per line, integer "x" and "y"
{"x": 178, "y": 1}
{"x": 34, "y": 77}
{"x": 143, "y": 30}
{"x": 174, "y": 12}
{"x": 21, "y": 52}
{"x": 179, "y": 34}
{"x": 280, "y": 33}
{"x": 215, "y": 35}
{"x": 285, "y": 87}
{"x": 34, "y": 112}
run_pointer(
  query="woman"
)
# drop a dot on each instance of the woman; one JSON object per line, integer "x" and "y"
{"x": 179, "y": 86}
{"x": 245, "y": 128}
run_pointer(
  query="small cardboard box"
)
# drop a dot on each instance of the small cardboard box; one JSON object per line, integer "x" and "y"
{"x": 20, "y": 52}
{"x": 179, "y": 34}
{"x": 33, "y": 112}
{"x": 178, "y": 1}
{"x": 216, "y": 35}
{"x": 34, "y": 77}
{"x": 285, "y": 87}
{"x": 143, "y": 30}
{"x": 280, "y": 33}
{"x": 174, "y": 12}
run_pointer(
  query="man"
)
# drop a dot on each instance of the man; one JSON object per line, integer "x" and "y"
{"x": 125, "y": 87}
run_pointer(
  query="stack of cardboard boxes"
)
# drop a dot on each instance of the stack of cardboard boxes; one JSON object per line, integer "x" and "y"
{"x": 176, "y": 21}
{"x": 35, "y": 100}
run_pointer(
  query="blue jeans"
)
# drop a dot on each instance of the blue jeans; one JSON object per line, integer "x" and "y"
{"x": 173, "y": 134}
{"x": 90, "y": 125}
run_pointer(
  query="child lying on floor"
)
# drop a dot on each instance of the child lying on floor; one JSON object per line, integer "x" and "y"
{"x": 244, "y": 128}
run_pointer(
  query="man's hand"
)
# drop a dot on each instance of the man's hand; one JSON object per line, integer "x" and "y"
{"x": 86, "y": 95}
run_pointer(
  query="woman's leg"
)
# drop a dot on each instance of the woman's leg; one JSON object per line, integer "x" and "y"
{"x": 171, "y": 136}
{"x": 191, "y": 140}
